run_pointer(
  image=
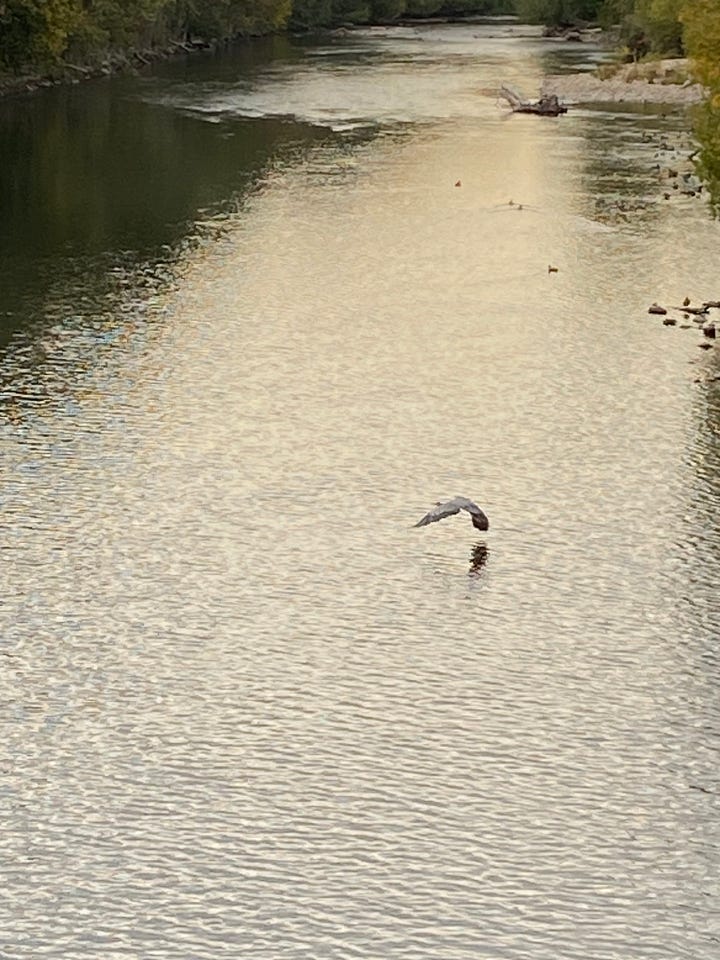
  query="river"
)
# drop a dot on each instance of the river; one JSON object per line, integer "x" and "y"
{"x": 251, "y": 330}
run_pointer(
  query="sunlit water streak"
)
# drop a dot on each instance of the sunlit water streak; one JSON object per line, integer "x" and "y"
{"x": 248, "y": 710}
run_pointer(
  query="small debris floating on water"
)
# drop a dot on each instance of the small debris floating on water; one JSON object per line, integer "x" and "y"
{"x": 656, "y": 308}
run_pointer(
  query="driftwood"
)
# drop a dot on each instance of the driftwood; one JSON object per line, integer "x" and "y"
{"x": 696, "y": 311}
{"x": 546, "y": 106}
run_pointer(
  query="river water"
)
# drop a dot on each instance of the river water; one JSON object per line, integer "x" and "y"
{"x": 252, "y": 330}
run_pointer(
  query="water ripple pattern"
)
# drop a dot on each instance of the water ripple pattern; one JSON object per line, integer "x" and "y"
{"x": 247, "y": 710}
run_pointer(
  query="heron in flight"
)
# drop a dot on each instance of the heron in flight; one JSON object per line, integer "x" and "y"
{"x": 442, "y": 510}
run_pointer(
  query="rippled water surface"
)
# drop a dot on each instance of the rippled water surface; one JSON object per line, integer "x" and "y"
{"x": 252, "y": 330}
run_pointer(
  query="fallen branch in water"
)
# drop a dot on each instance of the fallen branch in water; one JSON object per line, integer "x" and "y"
{"x": 546, "y": 106}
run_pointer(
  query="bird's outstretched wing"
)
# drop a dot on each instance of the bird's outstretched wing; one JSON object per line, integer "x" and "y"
{"x": 439, "y": 512}
{"x": 450, "y": 507}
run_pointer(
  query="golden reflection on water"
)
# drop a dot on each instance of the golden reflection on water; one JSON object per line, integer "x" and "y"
{"x": 250, "y": 708}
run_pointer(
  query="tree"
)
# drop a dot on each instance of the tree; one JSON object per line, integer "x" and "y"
{"x": 558, "y": 12}
{"x": 701, "y": 32}
{"x": 37, "y": 31}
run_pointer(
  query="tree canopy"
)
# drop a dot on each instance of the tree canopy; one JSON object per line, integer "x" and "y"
{"x": 43, "y": 34}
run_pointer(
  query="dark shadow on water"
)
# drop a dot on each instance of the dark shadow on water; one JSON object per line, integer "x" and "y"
{"x": 626, "y": 161}
{"x": 91, "y": 180}
{"x": 117, "y": 175}
{"x": 478, "y": 559}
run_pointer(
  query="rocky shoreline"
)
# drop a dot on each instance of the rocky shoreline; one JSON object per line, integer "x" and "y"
{"x": 655, "y": 82}
{"x": 111, "y": 64}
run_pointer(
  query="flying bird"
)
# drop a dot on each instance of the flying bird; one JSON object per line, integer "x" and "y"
{"x": 442, "y": 510}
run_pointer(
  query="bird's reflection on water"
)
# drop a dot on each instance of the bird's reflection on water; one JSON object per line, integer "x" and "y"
{"x": 478, "y": 559}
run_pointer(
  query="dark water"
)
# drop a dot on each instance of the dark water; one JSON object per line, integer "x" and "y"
{"x": 251, "y": 331}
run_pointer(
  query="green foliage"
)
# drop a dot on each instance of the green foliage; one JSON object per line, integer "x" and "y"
{"x": 645, "y": 25}
{"x": 383, "y": 11}
{"x": 222, "y": 19}
{"x": 350, "y": 11}
{"x": 42, "y": 34}
{"x": 465, "y": 7}
{"x": 37, "y": 31}
{"x": 701, "y": 29}
{"x": 422, "y": 8}
{"x": 124, "y": 24}
{"x": 707, "y": 134}
{"x": 556, "y": 12}
{"x": 307, "y": 14}
{"x": 660, "y": 22}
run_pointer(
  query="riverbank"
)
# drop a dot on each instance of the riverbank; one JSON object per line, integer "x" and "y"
{"x": 183, "y": 41}
{"x": 652, "y": 82}
{"x": 109, "y": 65}
{"x": 661, "y": 81}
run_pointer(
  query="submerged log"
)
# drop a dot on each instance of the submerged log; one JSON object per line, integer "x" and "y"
{"x": 696, "y": 311}
{"x": 546, "y": 106}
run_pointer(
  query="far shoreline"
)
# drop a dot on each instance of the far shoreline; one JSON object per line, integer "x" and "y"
{"x": 627, "y": 85}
